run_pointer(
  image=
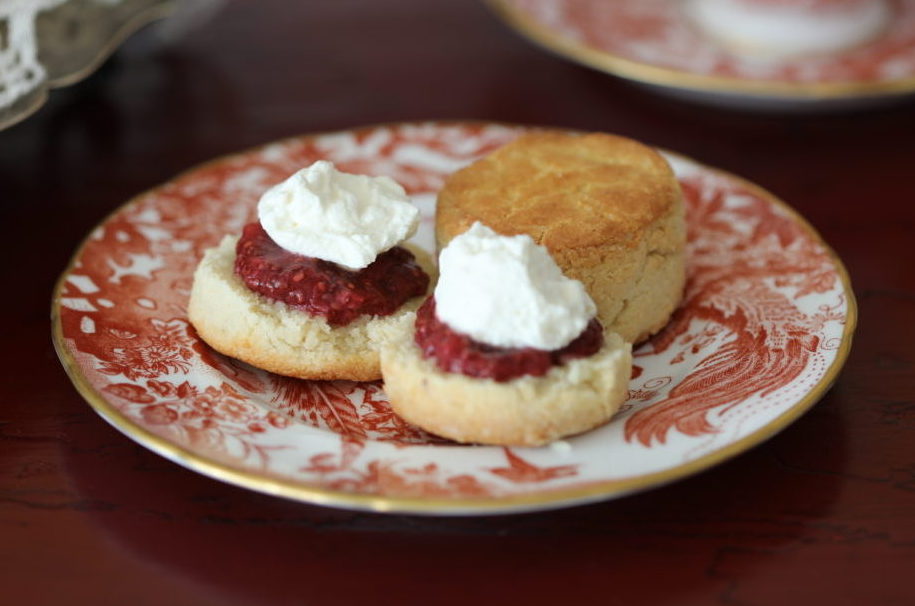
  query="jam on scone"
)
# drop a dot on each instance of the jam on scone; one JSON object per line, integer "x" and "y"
{"x": 507, "y": 351}
{"x": 319, "y": 283}
{"x": 323, "y": 288}
{"x": 456, "y": 352}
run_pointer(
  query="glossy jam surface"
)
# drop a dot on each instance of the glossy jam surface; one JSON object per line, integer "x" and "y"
{"x": 323, "y": 288}
{"x": 458, "y": 353}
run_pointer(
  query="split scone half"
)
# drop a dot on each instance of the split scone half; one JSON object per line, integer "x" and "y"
{"x": 274, "y": 336}
{"x": 571, "y": 398}
{"x": 305, "y": 291}
{"x": 608, "y": 209}
{"x": 507, "y": 350}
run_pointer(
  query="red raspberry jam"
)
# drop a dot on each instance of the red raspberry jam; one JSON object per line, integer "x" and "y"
{"x": 323, "y": 288}
{"x": 458, "y": 353}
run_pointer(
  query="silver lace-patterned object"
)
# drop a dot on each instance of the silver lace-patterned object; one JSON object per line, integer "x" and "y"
{"x": 48, "y": 44}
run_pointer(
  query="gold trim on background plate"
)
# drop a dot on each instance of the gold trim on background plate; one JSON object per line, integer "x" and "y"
{"x": 670, "y": 78}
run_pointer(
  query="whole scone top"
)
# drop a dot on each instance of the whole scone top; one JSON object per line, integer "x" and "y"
{"x": 566, "y": 190}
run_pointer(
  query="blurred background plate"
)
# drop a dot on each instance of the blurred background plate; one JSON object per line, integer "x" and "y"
{"x": 652, "y": 43}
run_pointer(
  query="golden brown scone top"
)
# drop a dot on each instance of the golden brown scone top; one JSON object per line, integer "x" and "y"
{"x": 565, "y": 190}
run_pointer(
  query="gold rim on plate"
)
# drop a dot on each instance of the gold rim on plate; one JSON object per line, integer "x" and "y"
{"x": 671, "y": 78}
{"x": 272, "y": 484}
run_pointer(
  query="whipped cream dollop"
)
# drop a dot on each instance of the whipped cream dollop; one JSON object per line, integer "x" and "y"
{"x": 346, "y": 219}
{"x": 508, "y": 291}
{"x": 780, "y": 28}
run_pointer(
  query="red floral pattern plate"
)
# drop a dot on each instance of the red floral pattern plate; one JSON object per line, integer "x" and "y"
{"x": 764, "y": 328}
{"x": 651, "y": 42}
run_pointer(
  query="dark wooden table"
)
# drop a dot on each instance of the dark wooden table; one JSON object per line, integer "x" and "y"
{"x": 823, "y": 513}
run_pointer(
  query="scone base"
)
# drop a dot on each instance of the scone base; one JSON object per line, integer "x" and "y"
{"x": 528, "y": 411}
{"x": 275, "y": 337}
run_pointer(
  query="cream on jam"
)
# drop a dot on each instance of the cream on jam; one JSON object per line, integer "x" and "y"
{"x": 455, "y": 352}
{"x": 323, "y": 288}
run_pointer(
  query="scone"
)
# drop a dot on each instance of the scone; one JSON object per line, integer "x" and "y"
{"x": 507, "y": 350}
{"x": 319, "y": 282}
{"x": 277, "y": 337}
{"x": 528, "y": 411}
{"x": 608, "y": 209}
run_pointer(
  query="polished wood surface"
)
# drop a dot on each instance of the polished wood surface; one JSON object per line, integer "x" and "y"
{"x": 823, "y": 513}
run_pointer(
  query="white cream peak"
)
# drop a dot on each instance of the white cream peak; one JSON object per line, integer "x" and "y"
{"x": 507, "y": 291}
{"x": 339, "y": 217}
